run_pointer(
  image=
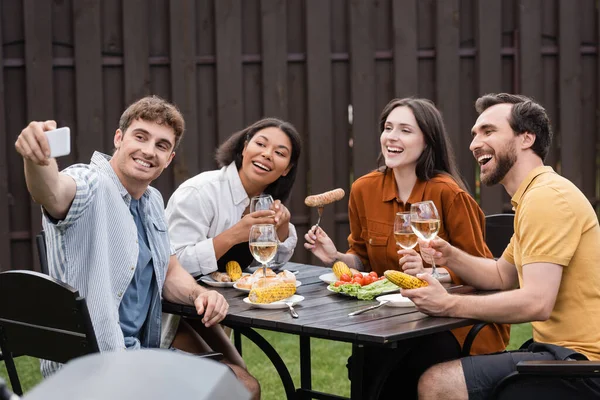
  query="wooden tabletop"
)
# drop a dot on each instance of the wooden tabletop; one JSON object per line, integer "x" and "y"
{"x": 324, "y": 314}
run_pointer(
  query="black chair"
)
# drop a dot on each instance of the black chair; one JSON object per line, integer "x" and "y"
{"x": 40, "y": 241}
{"x": 499, "y": 228}
{"x": 44, "y": 318}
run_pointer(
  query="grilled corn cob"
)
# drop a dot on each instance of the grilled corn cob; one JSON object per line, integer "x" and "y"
{"x": 403, "y": 280}
{"x": 233, "y": 270}
{"x": 271, "y": 293}
{"x": 339, "y": 268}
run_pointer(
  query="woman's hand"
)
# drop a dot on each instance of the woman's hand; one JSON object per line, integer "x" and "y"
{"x": 410, "y": 262}
{"x": 282, "y": 219}
{"x": 318, "y": 243}
{"x": 242, "y": 228}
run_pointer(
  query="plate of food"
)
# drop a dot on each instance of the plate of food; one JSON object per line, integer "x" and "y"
{"x": 367, "y": 292}
{"x": 245, "y": 282}
{"x": 219, "y": 279}
{"x": 294, "y": 299}
{"x": 332, "y": 278}
{"x": 396, "y": 300}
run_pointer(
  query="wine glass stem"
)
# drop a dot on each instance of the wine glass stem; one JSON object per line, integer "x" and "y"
{"x": 265, "y": 270}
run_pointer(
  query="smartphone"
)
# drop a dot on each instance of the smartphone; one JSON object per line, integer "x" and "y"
{"x": 59, "y": 141}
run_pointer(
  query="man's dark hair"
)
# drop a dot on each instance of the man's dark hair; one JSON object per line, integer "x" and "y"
{"x": 526, "y": 116}
{"x": 231, "y": 150}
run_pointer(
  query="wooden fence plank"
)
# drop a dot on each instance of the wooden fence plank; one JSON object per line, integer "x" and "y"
{"x": 530, "y": 43}
{"x": 447, "y": 71}
{"x": 571, "y": 140}
{"x": 135, "y": 50}
{"x": 183, "y": 84}
{"x": 404, "y": 20}
{"x": 489, "y": 80}
{"x": 88, "y": 78}
{"x": 40, "y": 104}
{"x": 230, "y": 115}
{"x": 362, "y": 66}
{"x": 274, "y": 58}
{"x": 320, "y": 125}
{"x": 5, "y": 245}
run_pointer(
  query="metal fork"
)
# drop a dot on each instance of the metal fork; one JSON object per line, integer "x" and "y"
{"x": 292, "y": 311}
{"x": 320, "y": 212}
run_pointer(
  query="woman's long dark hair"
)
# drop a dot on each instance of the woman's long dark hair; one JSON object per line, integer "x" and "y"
{"x": 231, "y": 150}
{"x": 438, "y": 156}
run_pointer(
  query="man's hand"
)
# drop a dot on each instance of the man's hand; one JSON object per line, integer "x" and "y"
{"x": 282, "y": 214}
{"x": 433, "y": 299}
{"x": 437, "y": 248}
{"x": 410, "y": 262}
{"x": 213, "y": 305}
{"x": 32, "y": 143}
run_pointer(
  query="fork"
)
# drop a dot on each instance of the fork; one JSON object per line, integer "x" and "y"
{"x": 292, "y": 311}
{"x": 320, "y": 212}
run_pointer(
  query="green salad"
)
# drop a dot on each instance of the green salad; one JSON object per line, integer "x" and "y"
{"x": 368, "y": 292}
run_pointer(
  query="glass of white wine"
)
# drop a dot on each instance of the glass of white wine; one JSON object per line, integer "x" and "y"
{"x": 263, "y": 244}
{"x": 261, "y": 202}
{"x": 425, "y": 222}
{"x": 403, "y": 232}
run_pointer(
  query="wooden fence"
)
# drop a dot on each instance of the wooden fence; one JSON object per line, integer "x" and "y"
{"x": 227, "y": 63}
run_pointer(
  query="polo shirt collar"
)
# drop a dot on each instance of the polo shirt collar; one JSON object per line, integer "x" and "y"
{"x": 390, "y": 189}
{"x": 534, "y": 173}
{"x": 238, "y": 193}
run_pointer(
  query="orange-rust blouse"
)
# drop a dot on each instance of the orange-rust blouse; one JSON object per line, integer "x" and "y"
{"x": 372, "y": 207}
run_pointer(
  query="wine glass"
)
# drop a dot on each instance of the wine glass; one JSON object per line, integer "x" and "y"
{"x": 425, "y": 222}
{"x": 263, "y": 244}
{"x": 261, "y": 202}
{"x": 403, "y": 232}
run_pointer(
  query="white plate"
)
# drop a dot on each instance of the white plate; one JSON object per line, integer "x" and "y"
{"x": 396, "y": 300}
{"x": 298, "y": 283}
{"x": 295, "y": 299}
{"x": 211, "y": 282}
{"x": 346, "y": 294}
{"x": 330, "y": 277}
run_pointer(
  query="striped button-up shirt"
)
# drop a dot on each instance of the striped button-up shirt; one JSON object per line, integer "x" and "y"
{"x": 95, "y": 250}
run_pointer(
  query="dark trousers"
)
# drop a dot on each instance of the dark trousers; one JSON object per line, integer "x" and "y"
{"x": 407, "y": 363}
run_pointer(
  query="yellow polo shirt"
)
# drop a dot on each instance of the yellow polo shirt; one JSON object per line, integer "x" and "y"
{"x": 555, "y": 223}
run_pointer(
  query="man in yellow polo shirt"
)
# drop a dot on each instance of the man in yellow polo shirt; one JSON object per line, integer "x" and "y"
{"x": 548, "y": 274}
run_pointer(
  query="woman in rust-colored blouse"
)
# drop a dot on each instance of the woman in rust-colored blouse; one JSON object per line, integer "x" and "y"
{"x": 418, "y": 164}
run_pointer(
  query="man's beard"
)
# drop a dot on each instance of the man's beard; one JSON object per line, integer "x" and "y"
{"x": 505, "y": 162}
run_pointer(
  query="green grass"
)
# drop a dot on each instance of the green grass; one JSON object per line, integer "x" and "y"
{"x": 328, "y": 363}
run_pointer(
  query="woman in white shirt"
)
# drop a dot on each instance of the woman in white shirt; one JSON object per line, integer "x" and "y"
{"x": 208, "y": 214}
{"x": 209, "y": 219}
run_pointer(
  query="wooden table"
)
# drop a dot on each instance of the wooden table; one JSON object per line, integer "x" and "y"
{"x": 324, "y": 314}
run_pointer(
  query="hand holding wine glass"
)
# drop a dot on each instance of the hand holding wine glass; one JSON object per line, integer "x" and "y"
{"x": 263, "y": 244}
{"x": 425, "y": 222}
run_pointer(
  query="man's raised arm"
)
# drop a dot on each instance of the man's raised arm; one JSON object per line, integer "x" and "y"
{"x": 54, "y": 191}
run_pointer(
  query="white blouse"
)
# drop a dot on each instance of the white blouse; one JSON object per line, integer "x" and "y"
{"x": 203, "y": 207}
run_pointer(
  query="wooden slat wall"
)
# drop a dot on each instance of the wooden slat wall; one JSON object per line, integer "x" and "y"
{"x": 40, "y": 94}
{"x": 88, "y": 77}
{"x": 183, "y": 84}
{"x": 5, "y": 245}
{"x": 489, "y": 78}
{"x": 226, "y": 63}
{"x": 318, "y": 73}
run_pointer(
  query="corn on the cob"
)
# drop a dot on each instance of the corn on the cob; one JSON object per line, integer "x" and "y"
{"x": 339, "y": 268}
{"x": 271, "y": 293}
{"x": 233, "y": 270}
{"x": 403, "y": 280}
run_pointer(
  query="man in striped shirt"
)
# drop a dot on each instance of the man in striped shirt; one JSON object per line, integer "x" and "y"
{"x": 106, "y": 233}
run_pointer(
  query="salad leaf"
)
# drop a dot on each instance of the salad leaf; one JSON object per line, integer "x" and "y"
{"x": 368, "y": 292}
